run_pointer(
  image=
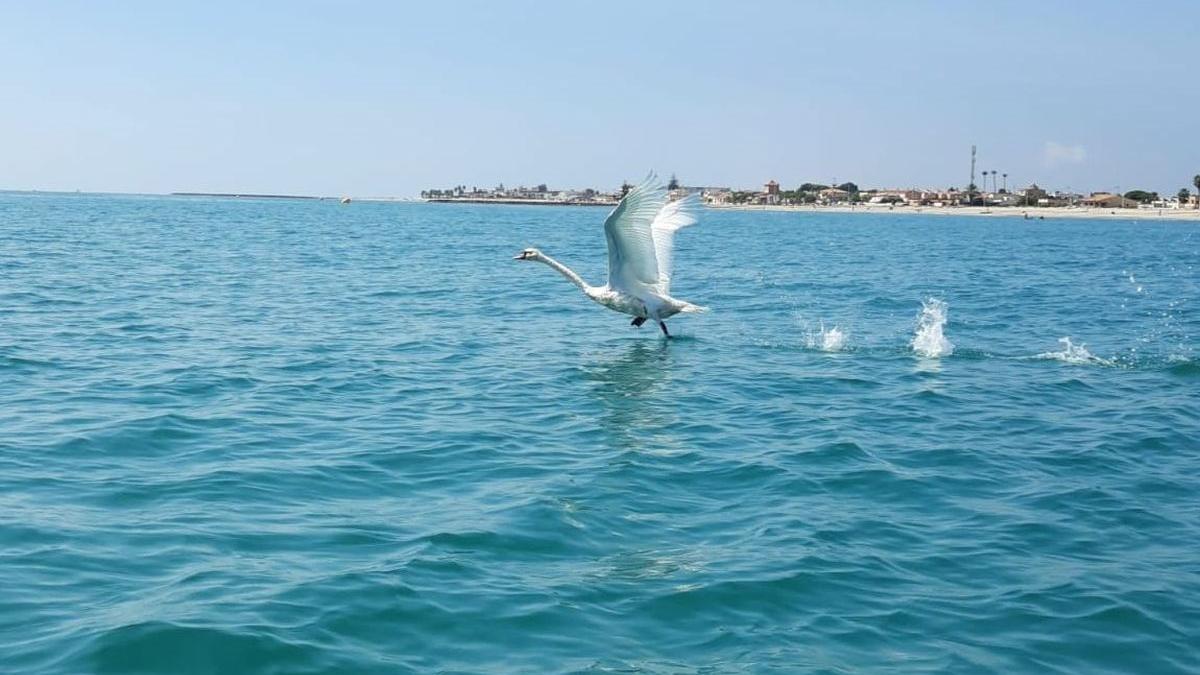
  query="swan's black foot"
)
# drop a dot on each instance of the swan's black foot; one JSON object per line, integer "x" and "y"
{"x": 638, "y": 321}
{"x": 663, "y": 326}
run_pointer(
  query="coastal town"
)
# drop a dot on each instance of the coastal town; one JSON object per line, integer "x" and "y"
{"x": 973, "y": 198}
{"x": 847, "y": 194}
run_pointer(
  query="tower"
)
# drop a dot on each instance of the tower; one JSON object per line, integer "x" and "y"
{"x": 972, "y": 167}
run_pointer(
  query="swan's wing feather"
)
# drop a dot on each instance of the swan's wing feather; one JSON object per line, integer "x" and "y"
{"x": 631, "y": 256}
{"x": 673, "y": 217}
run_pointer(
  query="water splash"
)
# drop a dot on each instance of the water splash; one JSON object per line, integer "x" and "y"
{"x": 1076, "y": 354}
{"x": 930, "y": 340}
{"x": 831, "y": 340}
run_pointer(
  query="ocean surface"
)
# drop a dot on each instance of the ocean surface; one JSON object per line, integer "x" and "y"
{"x": 273, "y": 436}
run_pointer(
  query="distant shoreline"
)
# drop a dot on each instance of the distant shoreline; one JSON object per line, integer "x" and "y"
{"x": 1028, "y": 213}
{"x": 1033, "y": 213}
{"x": 239, "y": 195}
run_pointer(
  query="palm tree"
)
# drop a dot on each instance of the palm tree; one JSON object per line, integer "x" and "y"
{"x": 1196, "y": 182}
{"x": 1005, "y": 182}
{"x": 985, "y": 181}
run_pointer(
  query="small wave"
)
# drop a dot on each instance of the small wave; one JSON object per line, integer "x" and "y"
{"x": 930, "y": 339}
{"x": 19, "y": 363}
{"x": 167, "y": 647}
{"x": 831, "y": 340}
{"x": 1076, "y": 354}
{"x": 1181, "y": 365}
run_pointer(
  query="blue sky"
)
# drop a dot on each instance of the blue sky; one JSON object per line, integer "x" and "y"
{"x": 386, "y": 98}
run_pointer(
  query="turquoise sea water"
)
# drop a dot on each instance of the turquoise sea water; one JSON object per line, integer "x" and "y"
{"x": 296, "y": 437}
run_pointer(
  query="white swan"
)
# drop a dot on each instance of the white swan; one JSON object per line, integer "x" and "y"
{"x": 640, "y": 234}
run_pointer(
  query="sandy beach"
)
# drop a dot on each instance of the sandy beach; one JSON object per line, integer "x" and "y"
{"x": 992, "y": 212}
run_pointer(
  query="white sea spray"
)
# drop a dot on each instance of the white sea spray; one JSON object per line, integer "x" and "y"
{"x": 1076, "y": 354}
{"x": 930, "y": 339}
{"x": 826, "y": 340}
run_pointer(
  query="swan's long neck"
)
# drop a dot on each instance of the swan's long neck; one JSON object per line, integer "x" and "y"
{"x": 566, "y": 272}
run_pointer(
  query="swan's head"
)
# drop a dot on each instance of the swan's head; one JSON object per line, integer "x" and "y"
{"x": 528, "y": 254}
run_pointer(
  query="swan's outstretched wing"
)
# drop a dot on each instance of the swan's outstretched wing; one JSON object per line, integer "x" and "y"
{"x": 632, "y": 261}
{"x": 673, "y": 217}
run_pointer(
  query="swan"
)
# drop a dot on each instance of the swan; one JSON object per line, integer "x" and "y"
{"x": 640, "y": 233}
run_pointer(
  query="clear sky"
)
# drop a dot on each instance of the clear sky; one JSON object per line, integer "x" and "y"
{"x": 387, "y": 98}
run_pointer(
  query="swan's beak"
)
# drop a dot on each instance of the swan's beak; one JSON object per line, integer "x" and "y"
{"x": 523, "y": 255}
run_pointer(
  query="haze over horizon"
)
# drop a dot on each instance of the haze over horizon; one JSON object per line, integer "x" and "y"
{"x": 374, "y": 99}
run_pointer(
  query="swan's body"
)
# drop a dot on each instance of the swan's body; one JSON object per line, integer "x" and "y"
{"x": 640, "y": 233}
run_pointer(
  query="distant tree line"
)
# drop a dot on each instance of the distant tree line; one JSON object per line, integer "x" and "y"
{"x": 1145, "y": 197}
{"x": 1141, "y": 196}
{"x": 1185, "y": 194}
{"x": 461, "y": 191}
{"x": 807, "y": 193}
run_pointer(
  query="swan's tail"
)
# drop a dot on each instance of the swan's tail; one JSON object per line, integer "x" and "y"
{"x": 689, "y": 308}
